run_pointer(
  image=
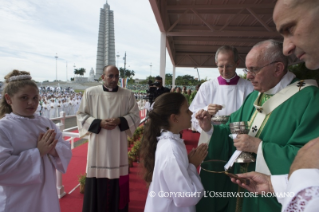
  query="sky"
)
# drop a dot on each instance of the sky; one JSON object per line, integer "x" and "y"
{"x": 33, "y": 32}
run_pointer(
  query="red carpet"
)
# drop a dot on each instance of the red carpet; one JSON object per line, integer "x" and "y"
{"x": 73, "y": 202}
{"x": 138, "y": 190}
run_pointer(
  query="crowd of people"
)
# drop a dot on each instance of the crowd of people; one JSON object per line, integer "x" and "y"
{"x": 52, "y": 103}
{"x": 280, "y": 110}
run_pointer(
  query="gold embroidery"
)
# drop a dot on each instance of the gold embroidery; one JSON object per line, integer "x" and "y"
{"x": 300, "y": 84}
{"x": 262, "y": 99}
{"x": 263, "y": 125}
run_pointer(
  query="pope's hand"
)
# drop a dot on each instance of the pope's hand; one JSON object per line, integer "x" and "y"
{"x": 246, "y": 143}
{"x": 204, "y": 118}
{"x": 258, "y": 182}
{"x": 307, "y": 157}
{"x": 213, "y": 109}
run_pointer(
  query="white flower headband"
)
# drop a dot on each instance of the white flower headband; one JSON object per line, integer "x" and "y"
{"x": 20, "y": 77}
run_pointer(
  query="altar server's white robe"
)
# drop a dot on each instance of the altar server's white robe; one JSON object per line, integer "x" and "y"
{"x": 46, "y": 110}
{"x": 27, "y": 180}
{"x": 77, "y": 102}
{"x": 174, "y": 179}
{"x": 72, "y": 108}
{"x": 211, "y": 92}
{"x": 53, "y": 110}
{"x": 68, "y": 107}
{"x": 107, "y": 150}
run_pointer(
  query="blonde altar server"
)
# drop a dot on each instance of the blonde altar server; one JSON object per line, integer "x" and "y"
{"x": 31, "y": 149}
{"x": 175, "y": 185}
{"x": 109, "y": 114}
{"x": 225, "y": 94}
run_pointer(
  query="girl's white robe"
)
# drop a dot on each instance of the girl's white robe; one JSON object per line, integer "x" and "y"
{"x": 27, "y": 180}
{"x": 174, "y": 178}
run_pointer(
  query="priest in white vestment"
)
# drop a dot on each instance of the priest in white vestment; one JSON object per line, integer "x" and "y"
{"x": 225, "y": 94}
{"x": 109, "y": 114}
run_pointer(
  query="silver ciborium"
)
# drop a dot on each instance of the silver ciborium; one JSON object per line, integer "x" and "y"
{"x": 242, "y": 127}
{"x": 217, "y": 120}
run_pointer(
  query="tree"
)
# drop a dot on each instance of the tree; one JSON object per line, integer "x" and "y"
{"x": 82, "y": 71}
{"x": 168, "y": 79}
{"x": 186, "y": 80}
{"x": 147, "y": 79}
{"x": 125, "y": 73}
{"x": 76, "y": 72}
{"x": 301, "y": 72}
{"x": 131, "y": 81}
{"x": 244, "y": 76}
{"x": 79, "y": 71}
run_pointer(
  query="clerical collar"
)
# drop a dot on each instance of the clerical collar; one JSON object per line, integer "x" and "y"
{"x": 284, "y": 82}
{"x": 110, "y": 89}
{"x": 232, "y": 81}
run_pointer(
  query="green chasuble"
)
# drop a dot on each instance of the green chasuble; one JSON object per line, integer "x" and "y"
{"x": 290, "y": 126}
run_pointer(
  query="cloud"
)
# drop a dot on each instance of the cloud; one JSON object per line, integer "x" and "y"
{"x": 34, "y": 31}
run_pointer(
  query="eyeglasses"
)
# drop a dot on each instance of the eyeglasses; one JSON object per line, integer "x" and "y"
{"x": 255, "y": 71}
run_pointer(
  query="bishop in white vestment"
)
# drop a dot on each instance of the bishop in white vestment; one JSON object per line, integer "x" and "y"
{"x": 228, "y": 90}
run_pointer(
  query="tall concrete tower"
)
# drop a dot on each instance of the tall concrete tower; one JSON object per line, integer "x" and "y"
{"x": 106, "y": 41}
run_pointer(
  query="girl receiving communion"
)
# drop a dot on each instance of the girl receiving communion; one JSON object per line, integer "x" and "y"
{"x": 174, "y": 182}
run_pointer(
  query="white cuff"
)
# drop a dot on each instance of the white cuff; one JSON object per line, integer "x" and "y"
{"x": 279, "y": 183}
{"x": 205, "y": 136}
{"x": 261, "y": 165}
{"x": 210, "y": 132}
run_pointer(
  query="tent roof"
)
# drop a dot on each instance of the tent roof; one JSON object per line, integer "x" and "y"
{"x": 195, "y": 29}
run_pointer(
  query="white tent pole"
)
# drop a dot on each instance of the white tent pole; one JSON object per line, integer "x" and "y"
{"x": 163, "y": 56}
{"x": 173, "y": 80}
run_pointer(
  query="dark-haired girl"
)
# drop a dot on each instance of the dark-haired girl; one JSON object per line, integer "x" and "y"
{"x": 174, "y": 182}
